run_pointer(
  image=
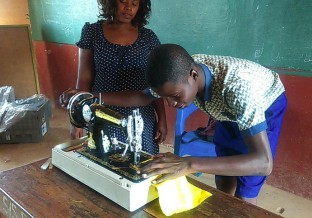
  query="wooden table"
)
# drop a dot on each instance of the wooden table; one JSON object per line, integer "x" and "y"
{"x": 53, "y": 193}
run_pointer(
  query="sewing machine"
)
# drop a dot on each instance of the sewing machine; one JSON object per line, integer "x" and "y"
{"x": 100, "y": 160}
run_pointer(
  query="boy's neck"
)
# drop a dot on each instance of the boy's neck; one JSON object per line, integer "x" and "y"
{"x": 201, "y": 81}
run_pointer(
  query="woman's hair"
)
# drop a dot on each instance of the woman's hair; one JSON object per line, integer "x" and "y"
{"x": 108, "y": 9}
{"x": 168, "y": 63}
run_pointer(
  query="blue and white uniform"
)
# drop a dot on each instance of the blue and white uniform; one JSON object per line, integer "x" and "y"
{"x": 245, "y": 98}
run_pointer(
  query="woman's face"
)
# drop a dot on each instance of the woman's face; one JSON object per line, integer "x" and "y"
{"x": 126, "y": 10}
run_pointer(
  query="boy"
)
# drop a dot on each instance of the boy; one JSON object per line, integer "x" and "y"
{"x": 247, "y": 99}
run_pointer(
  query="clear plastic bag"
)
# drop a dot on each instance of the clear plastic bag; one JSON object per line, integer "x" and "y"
{"x": 12, "y": 110}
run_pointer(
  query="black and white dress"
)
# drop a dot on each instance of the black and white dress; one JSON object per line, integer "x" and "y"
{"x": 119, "y": 68}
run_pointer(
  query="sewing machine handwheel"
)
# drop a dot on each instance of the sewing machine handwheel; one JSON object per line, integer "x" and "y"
{"x": 79, "y": 110}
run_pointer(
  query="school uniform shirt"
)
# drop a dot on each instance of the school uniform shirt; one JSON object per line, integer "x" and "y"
{"x": 237, "y": 90}
{"x": 119, "y": 68}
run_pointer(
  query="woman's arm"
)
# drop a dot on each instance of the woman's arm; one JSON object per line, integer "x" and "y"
{"x": 121, "y": 99}
{"x": 84, "y": 82}
{"x": 85, "y": 70}
{"x": 161, "y": 126}
{"x": 125, "y": 98}
{"x": 86, "y": 77}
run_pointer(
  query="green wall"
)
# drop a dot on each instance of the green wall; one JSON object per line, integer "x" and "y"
{"x": 276, "y": 33}
{"x": 60, "y": 20}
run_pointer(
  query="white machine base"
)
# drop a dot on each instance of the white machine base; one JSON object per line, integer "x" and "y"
{"x": 126, "y": 193}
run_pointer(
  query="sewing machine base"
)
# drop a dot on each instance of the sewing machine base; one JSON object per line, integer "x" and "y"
{"x": 128, "y": 194}
{"x": 115, "y": 162}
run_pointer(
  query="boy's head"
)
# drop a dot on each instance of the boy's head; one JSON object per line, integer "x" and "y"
{"x": 168, "y": 73}
{"x": 168, "y": 63}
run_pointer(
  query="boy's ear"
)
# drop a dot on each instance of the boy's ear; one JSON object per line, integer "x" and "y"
{"x": 194, "y": 74}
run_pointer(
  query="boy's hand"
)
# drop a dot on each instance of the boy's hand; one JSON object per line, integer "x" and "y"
{"x": 167, "y": 166}
{"x": 66, "y": 95}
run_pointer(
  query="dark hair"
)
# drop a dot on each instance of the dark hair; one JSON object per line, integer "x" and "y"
{"x": 168, "y": 63}
{"x": 108, "y": 9}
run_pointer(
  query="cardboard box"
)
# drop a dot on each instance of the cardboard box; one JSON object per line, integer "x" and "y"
{"x": 31, "y": 128}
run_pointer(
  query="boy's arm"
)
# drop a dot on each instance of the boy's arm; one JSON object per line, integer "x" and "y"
{"x": 258, "y": 161}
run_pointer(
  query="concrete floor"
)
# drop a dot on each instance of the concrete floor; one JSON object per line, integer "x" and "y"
{"x": 15, "y": 155}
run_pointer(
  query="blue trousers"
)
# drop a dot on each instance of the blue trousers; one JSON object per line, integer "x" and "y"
{"x": 229, "y": 142}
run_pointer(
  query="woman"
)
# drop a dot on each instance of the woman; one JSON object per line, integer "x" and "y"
{"x": 113, "y": 56}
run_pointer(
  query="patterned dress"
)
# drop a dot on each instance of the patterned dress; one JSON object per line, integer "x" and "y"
{"x": 119, "y": 68}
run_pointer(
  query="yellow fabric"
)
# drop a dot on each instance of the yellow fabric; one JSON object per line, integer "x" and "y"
{"x": 179, "y": 195}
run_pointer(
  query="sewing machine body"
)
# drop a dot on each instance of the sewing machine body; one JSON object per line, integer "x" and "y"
{"x": 128, "y": 194}
{"x": 101, "y": 161}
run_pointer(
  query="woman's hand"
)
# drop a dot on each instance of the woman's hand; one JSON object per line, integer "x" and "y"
{"x": 161, "y": 132}
{"x": 166, "y": 166}
{"x": 76, "y": 133}
{"x": 66, "y": 95}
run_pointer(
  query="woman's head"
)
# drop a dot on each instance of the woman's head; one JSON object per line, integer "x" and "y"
{"x": 111, "y": 9}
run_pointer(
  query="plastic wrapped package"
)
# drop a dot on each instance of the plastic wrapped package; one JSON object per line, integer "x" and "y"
{"x": 7, "y": 94}
{"x": 13, "y": 113}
